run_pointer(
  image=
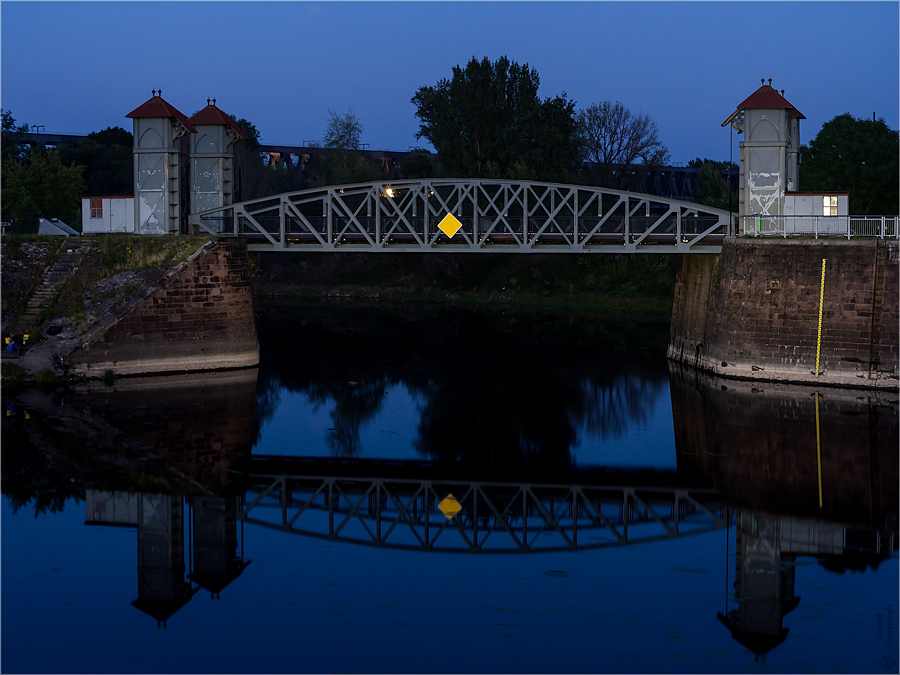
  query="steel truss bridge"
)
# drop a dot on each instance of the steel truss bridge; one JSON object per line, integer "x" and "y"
{"x": 494, "y": 517}
{"x": 496, "y": 216}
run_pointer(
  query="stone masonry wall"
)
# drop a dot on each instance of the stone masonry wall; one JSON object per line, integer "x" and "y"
{"x": 753, "y": 311}
{"x": 758, "y": 443}
{"x": 200, "y": 317}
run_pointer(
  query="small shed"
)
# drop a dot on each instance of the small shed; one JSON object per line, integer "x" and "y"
{"x": 817, "y": 204}
{"x": 107, "y": 213}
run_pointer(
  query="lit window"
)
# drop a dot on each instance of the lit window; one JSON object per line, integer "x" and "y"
{"x": 829, "y": 206}
{"x": 97, "y": 208}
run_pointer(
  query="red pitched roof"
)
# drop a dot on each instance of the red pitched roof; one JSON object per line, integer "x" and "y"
{"x": 212, "y": 115}
{"x": 157, "y": 106}
{"x": 766, "y": 97}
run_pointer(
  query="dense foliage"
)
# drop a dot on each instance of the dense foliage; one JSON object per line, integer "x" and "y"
{"x": 488, "y": 121}
{"x": 855, "y": 155}
{"x": 710, "y": 187}
{"x": 108, "y": 158}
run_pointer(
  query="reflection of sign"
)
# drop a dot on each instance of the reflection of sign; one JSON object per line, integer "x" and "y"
{"x": 449, "y": 506}
{"x": 449, "y": 225}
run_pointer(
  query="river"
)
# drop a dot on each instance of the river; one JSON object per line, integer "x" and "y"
{"x": 439, "y": 489}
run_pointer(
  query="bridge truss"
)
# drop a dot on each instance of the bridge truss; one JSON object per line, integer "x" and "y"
{"x": 494, "y": 517}
{"x": 496, "y": 216}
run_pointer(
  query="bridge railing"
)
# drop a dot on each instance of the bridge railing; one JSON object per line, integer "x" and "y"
{"x": 881, "y": 227}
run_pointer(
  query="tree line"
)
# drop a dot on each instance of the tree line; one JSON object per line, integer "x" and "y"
{"x": 487, "y": 120}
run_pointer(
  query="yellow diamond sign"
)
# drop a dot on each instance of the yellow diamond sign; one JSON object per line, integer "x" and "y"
{"x": 449, "y": 506}
{"x": 449, "y": 225}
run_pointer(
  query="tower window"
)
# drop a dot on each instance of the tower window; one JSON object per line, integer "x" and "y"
{"x": 829, "y": 206}
{"x": 96, "y": 208}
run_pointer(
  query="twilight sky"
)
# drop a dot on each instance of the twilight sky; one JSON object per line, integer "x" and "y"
{"x": 79, "y": 67}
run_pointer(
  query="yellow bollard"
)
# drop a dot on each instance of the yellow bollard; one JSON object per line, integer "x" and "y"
{"x": 821, "y": 303}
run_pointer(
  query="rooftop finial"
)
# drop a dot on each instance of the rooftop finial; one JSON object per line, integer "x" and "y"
{"x": 214, "y": 101}
{"x": 207, "y": 101}
{"x": 160, "y": 92}
{"x": 770, "y": 81}
{"x": 154, "y": 92}
{"x": 782, "y": 92}
{"x": 762, "y": 80}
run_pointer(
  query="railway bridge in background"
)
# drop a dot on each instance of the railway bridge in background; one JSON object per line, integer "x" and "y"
{"x": 488, "y": 216}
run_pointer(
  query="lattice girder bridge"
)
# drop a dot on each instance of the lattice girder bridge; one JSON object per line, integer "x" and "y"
{"x": 496, "y": 216}
{"x": 492, "y": 517}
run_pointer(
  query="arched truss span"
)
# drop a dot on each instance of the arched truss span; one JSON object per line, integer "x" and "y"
{"x": 488, "y": 518}
{"x": 496, "y": 216}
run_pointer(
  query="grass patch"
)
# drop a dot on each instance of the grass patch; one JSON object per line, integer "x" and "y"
{"x": 111, "y": 254}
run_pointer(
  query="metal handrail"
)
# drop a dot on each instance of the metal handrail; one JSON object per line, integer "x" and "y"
{"x": 880, "y": 227}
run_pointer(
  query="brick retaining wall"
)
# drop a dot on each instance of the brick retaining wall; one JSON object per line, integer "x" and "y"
{"x": 752, "y": 312}
{"x": 199, "y": 318}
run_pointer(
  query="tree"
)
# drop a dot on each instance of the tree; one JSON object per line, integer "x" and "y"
{"x": 711, "y": 189}
{"x": 416, "y": 164}
{"x": 618, "y": 142}
{"x": 253, "y": 178}
{"x": 711, "y": 186}
{"x": 42, "y": 186}
{"x": 108, "y": 158}
{"x": 488, "y": 121}
{"x": 343, "y": 132}
{"x": 855, "y": 155}
{"x": 11, "y": 145}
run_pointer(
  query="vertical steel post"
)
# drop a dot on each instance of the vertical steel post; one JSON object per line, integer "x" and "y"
{"x": 475, "y": 516}
{"x": 282, "y": 228}
{"x": 284, "y": 502}
{"x": 427, "y": 513}
{"x": 375, "y": 197}
{"x": 378, "y": 512}
{"x": 327, "y": 207}
{"x": 575, "y": 518}
{"x": 525, "y": 217}
{"x": 525, "y": 518}
{"x": 331, "y": 508}
{"x": 575, "y": 217}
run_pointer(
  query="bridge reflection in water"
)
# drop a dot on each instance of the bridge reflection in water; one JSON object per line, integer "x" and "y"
{"x": 746, "y": 455}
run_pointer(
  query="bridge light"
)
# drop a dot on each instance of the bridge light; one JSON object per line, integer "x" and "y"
{"x": 389, "y": 191}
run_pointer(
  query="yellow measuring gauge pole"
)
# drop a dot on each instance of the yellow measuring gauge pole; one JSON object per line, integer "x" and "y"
{"x": 821, "y": 304}
{"x": 818, "y": 450}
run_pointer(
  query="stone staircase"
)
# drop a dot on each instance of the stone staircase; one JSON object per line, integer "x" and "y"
{"x": 48, "y": 287}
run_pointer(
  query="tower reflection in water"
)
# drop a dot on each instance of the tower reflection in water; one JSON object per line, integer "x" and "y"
{"x": 765, "y": 569}
{"x": 174, "y": 563}
{"x": 802, "y": 484}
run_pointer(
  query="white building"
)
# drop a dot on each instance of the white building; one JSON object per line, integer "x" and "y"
{"x": 107, "y": 213}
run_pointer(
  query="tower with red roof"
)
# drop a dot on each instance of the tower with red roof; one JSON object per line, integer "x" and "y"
{"x": 212, "y": 158}
{"x": 159, "y": 129}
{"x": 769, "y": 153}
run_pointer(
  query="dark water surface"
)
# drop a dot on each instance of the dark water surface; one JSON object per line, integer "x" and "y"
{"x": 610, "y": 512}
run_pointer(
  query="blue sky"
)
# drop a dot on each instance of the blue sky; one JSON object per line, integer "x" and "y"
{"x": 80, "y": 67}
